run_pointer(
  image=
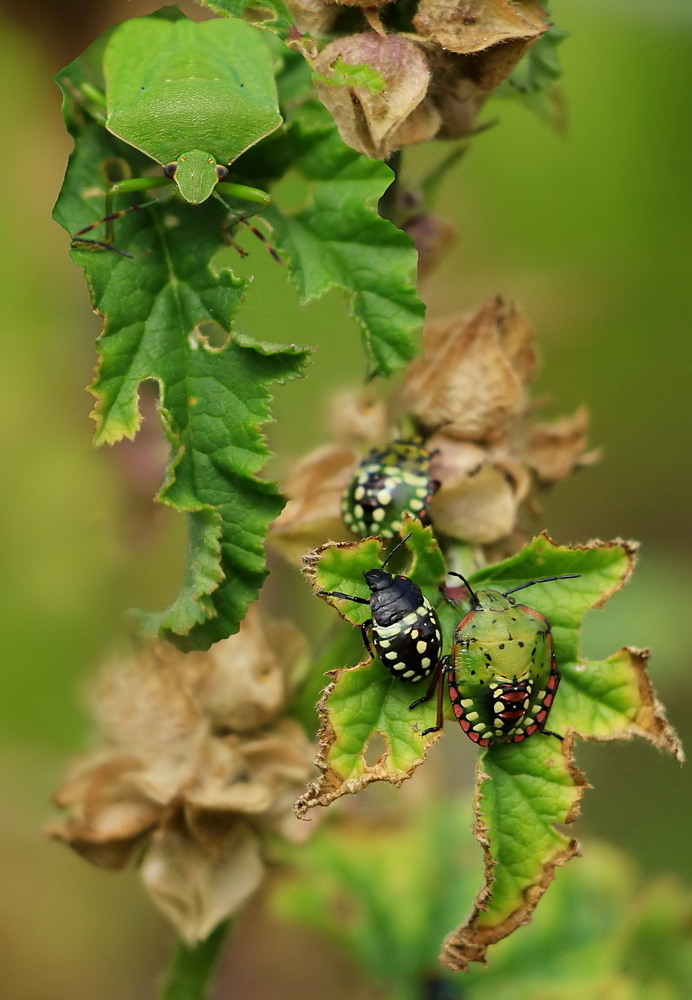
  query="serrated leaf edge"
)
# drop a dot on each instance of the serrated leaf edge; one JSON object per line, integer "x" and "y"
{"x": 469, "y": 942}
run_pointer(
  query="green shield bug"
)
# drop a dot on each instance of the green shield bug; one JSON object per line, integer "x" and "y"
{"x": 502, "y": 676}
{"x": 193, "y": 97}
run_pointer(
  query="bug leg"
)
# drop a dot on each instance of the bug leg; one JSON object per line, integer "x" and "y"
{"x": 346, "y": 597}
{"x": 549, "y": 732}
{"x": 366, "y": 637}
{"x": 229, "y": 241}
{"x": 128, "y": 185}
{"x": 262, "y": 238}
{"x": 445, "y": 596}
{"x": 434, "y": 680}
{"x": 229, "y": 223}
{"x": 439, "y": 675}
{"x": 78, "y": 241}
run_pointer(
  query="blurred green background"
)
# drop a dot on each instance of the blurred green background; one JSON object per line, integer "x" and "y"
{"x": 588, "y": 231}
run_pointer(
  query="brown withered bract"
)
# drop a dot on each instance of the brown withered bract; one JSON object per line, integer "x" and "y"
{"x": 437, "y": 75}
{"x": 315, "y": 484}
{"x": 555, "y": 450}
{"x": 432, "y": 237}
{"x": 198, "y": 763}
{"x": 469, "y": 396}
{"x": 312, "y": 16}
{"x": 468, "y": 26}
{"x": 473, "y": 375}
{"x": 376, "y": 122}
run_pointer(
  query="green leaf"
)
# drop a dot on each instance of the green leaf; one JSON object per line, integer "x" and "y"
{"x": 158, "y": 309}
{"x": 334, "y": 237}
{"x": 273, "y": 14}
{"x": 161, "y": 302}
{"x": 337, "y": 239}
{"x": 534, "y": 81}
{"x": 365, "y": 707}
{"x": 524, "y": 790}
{"x": 385, "y": 891}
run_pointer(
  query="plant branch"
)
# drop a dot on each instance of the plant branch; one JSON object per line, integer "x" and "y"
{"x": 191, "y": 969}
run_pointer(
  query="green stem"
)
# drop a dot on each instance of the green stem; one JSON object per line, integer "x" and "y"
{"x": 192, "y": 968}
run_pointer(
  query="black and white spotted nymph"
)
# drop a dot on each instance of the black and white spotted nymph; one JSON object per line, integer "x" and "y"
{"x": 404, "y": 631}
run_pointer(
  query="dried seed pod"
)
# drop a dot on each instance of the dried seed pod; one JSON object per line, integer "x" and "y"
{"x": 377, "y": 121}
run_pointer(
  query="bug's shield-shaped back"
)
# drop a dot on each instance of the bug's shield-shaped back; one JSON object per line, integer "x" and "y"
{"x": 176, "y": 86}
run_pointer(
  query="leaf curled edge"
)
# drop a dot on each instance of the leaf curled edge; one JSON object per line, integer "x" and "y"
{"x": 338, "y": 778}
{"x": 469, "y": 941}
{"x": 647, "y": 718}
{"x": 361, "y": 702}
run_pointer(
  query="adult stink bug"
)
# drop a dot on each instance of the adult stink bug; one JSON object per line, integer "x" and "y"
{"x": 502, "y": 676}
{"x": 192, "y": 96}
{"x": 388, "y": 482}
{"x": 404, "y": 631}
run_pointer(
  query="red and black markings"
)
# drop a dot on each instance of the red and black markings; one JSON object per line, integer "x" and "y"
{"x": 502, "y": 676}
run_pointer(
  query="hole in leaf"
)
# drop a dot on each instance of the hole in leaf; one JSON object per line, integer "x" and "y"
{"x": 212, "y": 334}
{"x": 375, "y": 748}
{"x": 291, "y": 193}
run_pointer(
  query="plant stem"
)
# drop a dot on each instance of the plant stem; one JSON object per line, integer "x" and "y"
{"x": 192, "y": 968}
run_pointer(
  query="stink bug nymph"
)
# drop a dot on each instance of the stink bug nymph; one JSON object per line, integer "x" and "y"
{"x": 388, "y": 482}
{"x": 404, "y": 631}
{"x": 502, "y": 676}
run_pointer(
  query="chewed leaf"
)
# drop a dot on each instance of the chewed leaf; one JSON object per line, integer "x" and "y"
{"x": 364, "y": 711}
{"x": 213, "y": 401}
{"x": 522, "y": 791}
{"x": 338, "y": 240}
{"x": 272, "y": 14}
{"x": 615, "y": 700}
{"x": 525, "y": 789}
{"x": 360, "y": 704}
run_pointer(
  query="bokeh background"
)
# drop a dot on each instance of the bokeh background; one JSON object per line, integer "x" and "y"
{"x": 589, "y": 231}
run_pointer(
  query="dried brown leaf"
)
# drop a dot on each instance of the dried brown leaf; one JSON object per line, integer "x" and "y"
{"x": 554, "y": 450}
{"x": 313, "y": 511}
{"x": 196, "y": 889}
{"x": 473, "y": 26}
{"x": 472, "y": 378}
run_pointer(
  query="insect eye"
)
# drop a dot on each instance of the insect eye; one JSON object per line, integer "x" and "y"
{"x": 170, "y": 169}
{"x": 221, "y": 172}
{"x": 511, "y": 601}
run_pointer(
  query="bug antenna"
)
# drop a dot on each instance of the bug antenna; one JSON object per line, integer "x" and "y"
{"x": 468, "y": 586}
{"x": 396, "y": 548}
{"x": 544, "y": 579}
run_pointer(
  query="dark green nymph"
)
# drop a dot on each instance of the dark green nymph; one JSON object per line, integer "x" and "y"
{"x": 388, "y": 483}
